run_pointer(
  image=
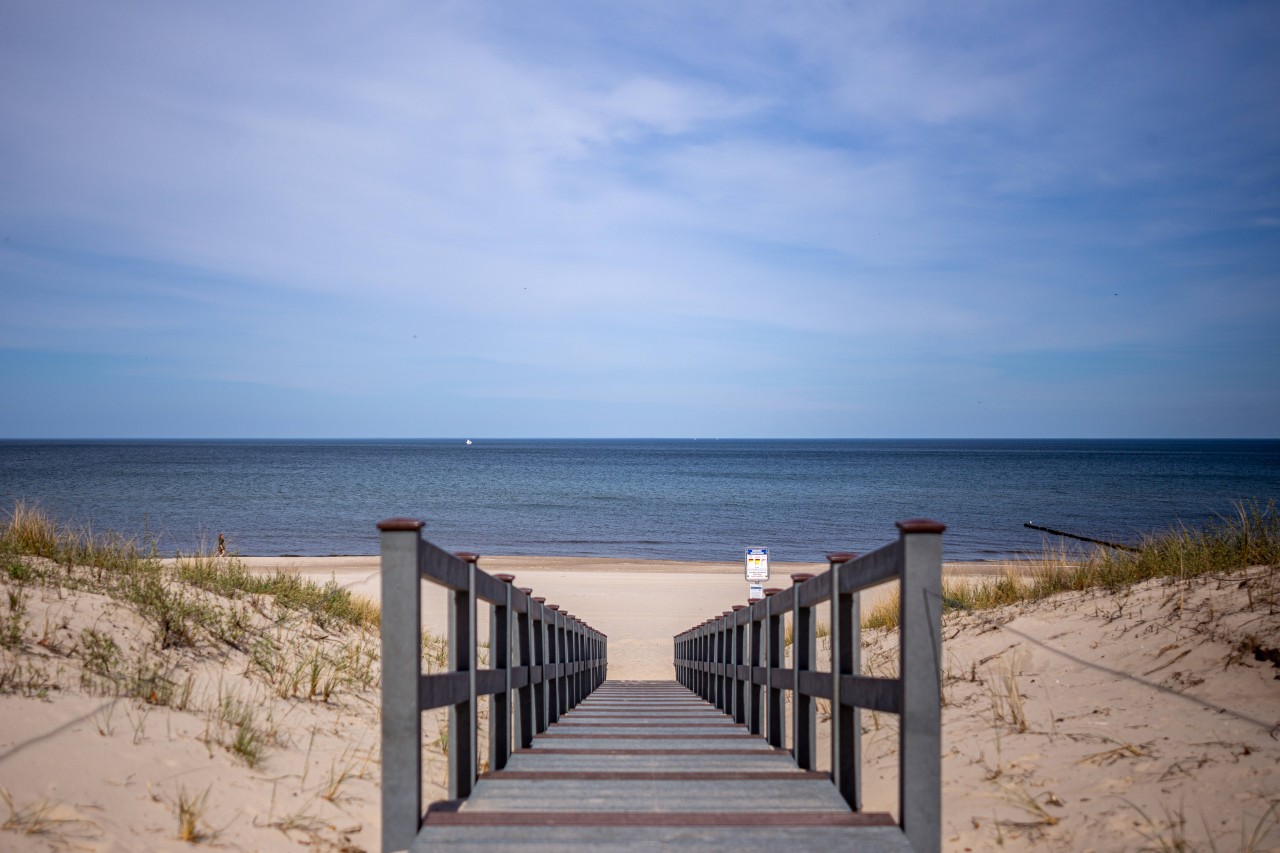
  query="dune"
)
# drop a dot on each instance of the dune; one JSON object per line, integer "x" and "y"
{"x": 1087, "y": 721}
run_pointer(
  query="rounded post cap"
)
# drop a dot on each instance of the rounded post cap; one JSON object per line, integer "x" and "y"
{"x": 726, "y": 613}
{"x": 738, "y": 607}
{"x": 396, "y": 525}
{"x": 467, "y": 557}
{"x": 553, "y": 606}
{"x": 541, "y": 599}
{"x": 920, "y": 525}
{"x": 801, "y": 577}
{"x": 505, "y": 578}
{"x": 773, "y": 590}
{"x": 837, "y": 557}
{"x": 527, "y": 590}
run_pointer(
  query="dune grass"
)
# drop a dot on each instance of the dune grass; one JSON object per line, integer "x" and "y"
{"x": 125, "y": 569}
{"x": 1250, "y": 537}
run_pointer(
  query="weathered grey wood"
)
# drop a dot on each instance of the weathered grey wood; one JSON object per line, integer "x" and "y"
{"x": 915, "y": 560}
{"x": 516, "y": 621}
{"x": 777, "y": 705}
{"x": 846, "y": 652}
{"x": 755, "y": 706}
{"x": 876, "y": 694}
{"x": 462, "y": 660}
{"x": 804, "y": 736}
{"x": 815, "y": 591}
{"x": 920, "y": 735}
{"x": 806, "y": 795}
{"x": 686, "y": 792}
{"x": 760, "y": 760}
{"x": 566, "y": 728}
{"x": 613, "y": 742}
{"x": 524, "y": 694}
{"x": 490, "y": 589}
{"x": 882, "y": 564}
{"x": 500, "y": 661}
{"x": 401, "y": 665}
{"x": 464, "y": 839}
{"x": 440, "y": 689}
{"x": 442, "y": 567}
{"x": 814, "y": 684}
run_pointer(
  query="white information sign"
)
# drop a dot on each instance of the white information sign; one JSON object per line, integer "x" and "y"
{"x": 757, "y": 564}
{"x": 755, "y": 592}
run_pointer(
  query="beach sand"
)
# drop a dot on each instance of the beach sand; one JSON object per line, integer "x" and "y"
{"x": 1091, "y": 721}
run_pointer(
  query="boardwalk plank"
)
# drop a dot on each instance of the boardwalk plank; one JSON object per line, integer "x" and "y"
{"x": 644, "y": 766}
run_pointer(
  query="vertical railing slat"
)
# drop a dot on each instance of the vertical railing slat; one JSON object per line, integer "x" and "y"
{"x": 462, "y": 658}
{"x": 804, "y": 735}
{"x": 846, "y": 651}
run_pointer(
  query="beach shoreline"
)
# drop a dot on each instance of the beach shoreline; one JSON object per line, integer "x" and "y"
{"x": 503, "y": 563}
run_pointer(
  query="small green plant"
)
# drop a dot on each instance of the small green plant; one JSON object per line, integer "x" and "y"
{"x": 99, "y": 651}
{"x": 26, "y": 679}
{"x": 235, "y": 726}
{"x": 435, "y": 652}
{"x": 13, "y": 624}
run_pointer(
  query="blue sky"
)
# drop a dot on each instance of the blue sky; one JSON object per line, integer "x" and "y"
{"x": 650, "y": 219}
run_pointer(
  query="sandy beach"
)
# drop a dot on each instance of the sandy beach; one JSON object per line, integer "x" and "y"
{"x": 1090, "y": 721}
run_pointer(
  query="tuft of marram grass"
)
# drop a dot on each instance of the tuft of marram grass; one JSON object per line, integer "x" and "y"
{"x": 1250, "y": 537}
{"x": 124, "y": 569}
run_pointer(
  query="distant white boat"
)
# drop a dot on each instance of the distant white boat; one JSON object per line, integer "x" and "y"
{"x": 468, "y": 441}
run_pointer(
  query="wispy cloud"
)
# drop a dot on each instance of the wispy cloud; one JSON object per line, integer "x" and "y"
{"x": 639, "y": 215}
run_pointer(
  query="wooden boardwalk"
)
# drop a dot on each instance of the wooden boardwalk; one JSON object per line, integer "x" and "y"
{"x": 648, "y": 765}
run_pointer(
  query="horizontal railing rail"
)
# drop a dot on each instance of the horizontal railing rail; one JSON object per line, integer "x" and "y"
{"x": 737, "y": 661}
{"x": 542, "y": 662}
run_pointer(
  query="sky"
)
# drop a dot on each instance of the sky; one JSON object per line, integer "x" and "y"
{"x": 657, "y": 219}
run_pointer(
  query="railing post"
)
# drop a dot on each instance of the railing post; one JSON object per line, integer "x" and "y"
{"x": 401, "y": 673}
{"x": 524, "y": 696}
{"x": 920, "y": 636}
{"x": 553, "y": 662}
{"x": 757, "y": 696}
{"x": 846, "y": 653}
{"x": 540, "y": 659}
{"x": 562, "y": 661}
{"x": 739, "y": 686}
{"x": 804, "y": 736}
{"x": 462, "y": 658}
{"x": 722, "y": 649}
{"x": 500, "y": 658}
{"x": 579, "y": 658}
{"x": 776, "y": 700}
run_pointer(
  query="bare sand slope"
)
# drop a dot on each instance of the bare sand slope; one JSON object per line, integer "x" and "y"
{"x": 1146, "y": 719}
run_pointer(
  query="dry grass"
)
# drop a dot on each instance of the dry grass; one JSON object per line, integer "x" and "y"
{"x": 1251, "y": 537}
{"x": 190, "y": 810}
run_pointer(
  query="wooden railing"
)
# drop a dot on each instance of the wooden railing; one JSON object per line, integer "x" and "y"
{"x": 547, "y": 660}
{"x": 737, "y": 661}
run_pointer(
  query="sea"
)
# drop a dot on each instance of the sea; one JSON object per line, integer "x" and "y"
{"x": 694, "y": 499}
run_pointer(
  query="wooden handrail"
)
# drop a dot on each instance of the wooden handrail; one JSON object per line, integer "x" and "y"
{"x": 737, "y": 662}
{"x": 549, "y": 660}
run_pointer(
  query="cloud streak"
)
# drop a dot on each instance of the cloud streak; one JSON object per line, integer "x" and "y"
{"x": 462, "y": 208}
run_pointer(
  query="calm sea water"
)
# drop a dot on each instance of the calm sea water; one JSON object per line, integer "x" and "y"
{"x": 704, "y": 500}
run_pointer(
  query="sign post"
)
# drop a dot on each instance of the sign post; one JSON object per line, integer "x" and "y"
{"x": 756, "y": 571}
